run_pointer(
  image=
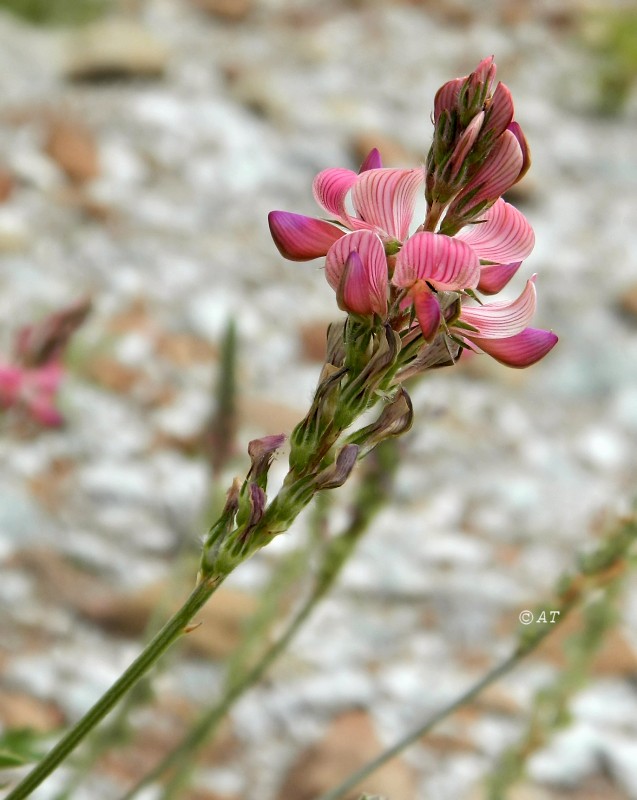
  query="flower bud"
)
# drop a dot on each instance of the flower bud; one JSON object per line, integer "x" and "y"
{"x": 261, "y": 452}
{"x": 395, "y": 419}
{"x": 337, "y": 473}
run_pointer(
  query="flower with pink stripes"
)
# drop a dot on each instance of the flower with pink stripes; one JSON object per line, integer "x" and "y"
{"x": 470, "y": 241}
{"x": 357, "y": 245}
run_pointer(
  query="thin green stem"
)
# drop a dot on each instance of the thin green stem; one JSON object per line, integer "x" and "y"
{"x": 172, "y": 630}
{"x": 491, "y": 677}
{"x": 596, "y": 570}
{"x": 375, "y": 488}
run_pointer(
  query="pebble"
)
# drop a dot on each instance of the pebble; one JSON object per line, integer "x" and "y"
{"x": 114, "y": 48}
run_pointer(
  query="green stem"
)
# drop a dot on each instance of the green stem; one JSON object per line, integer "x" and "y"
{"x": 375, "y": 489}
{"x": 172, "y": 630}
{"x": 205, "y": 727}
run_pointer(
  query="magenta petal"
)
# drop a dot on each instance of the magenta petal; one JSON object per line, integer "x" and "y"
{"x": 494, "y": 277}
{"x": 448, "y": 264}
{"x": 521, "y": 350}
{"x": 516, "y": 130}
{"x": 355, "y": 293}
{"x": 502, "y": 234}
{"x": 428, "y": 312}
{"x": 500, "y": 320}
{"x": 330, "y": 189}
{"x": 500, "y": 171}
{"x": 371, "y": 254}
{"x": 386, "y": 198}
{"x": 373, "y": 161}
{"x": 301, "y": 238}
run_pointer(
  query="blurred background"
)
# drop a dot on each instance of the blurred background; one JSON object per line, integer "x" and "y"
{"x": 142, "y": 144}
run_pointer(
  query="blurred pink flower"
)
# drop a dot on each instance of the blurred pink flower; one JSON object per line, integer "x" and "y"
{"x": 32, "y": 389}
{"x": 32, "y": 381}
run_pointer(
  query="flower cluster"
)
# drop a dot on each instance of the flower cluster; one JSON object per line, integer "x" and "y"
{"x": 424, "y": 284}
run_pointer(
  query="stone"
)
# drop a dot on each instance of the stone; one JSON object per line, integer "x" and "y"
{"x": 228, "y": 10}
{"x": 349, "y": 742}
{"x": 74, "y": 149}
{"x": 112, "y": 49}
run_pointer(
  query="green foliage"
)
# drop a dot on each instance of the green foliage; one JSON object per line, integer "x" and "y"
{"x": 57, "y": 12}
{"x": 612, "y": 36}
{"x": 19, "y": 746}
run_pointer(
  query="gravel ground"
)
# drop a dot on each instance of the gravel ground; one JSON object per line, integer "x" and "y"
{"x": 506, "y": 474}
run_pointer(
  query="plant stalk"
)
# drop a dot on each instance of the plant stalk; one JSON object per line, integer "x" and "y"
{"x": 172, "y": 630}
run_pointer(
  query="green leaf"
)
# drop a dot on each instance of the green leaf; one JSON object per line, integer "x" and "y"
{"x": 9, "y": 759}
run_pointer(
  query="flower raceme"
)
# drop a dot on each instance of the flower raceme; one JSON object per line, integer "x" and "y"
{"x": 426, "y": 278}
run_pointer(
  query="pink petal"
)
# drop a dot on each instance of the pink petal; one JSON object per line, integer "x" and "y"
{"x": 499, "y": 172}
{"x": 386, "y": 198}
{"x": 373, "y": 161}
{"x": 521, "y": 350}
{"x": 494, "y": 277}
{"x": 499, "y": 111}
{"x": 356, "y": 293}
{"x": 301, "y": 238}
{"x": 428, "y": 312}
{"x": 484, "y": 73}
{"x": 516, "y": 130}
{"x": 464, "y": 144}
{"x": 501, "y": 235}
{"x": 446, "y": 263}
{"x": 447, "y": 97}
{"x": 330, "y": 189}
{"x": 43, "y": 410}
{"x": 10, "y": 383}
{"x": 501, "y": 320}
{"x": 372, "y": 256}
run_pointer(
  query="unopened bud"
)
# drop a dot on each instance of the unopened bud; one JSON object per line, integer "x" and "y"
{"x": 396, "y": 418}
{"x": 261, "y": 452}
{"x": 38, "y": 344}
{"x": 337, "y": 473}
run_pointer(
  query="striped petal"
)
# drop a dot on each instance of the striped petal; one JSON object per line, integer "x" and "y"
{"x": 516, "y": 130}
{"x": 500, "y": 111}
{"x": 386, "y": 199}
{"x": 371, "y": 254}
{"x": 494, "y": 277}
{"x": 447, "y": 97}
{"x": 330, "y": 189}
{"x": 301, "y": 238}
{"x": 521, "y": 350}
{"x": 447, "y": 264}
{"x": 501, "y": 320}
{"x": 499, "y": 172}
{"x": 428, "y": 312}
{"x": 358, "y": 290}
{"x": 501, "y": 236}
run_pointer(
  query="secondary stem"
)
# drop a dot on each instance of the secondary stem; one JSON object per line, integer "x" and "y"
{"x": 495, "y": 674}
{"x": 172, "y": 630}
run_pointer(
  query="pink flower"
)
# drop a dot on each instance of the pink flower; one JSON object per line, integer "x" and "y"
{"x": 32, "y": 389}
{"x": 484, "y": 256}
{"x": 478, "y": 151}
{"x": 31, "y": 383}
{"x": 471, "y": 239}
{"x": 356, "y": 244}
{"x": 502, "y": 330}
